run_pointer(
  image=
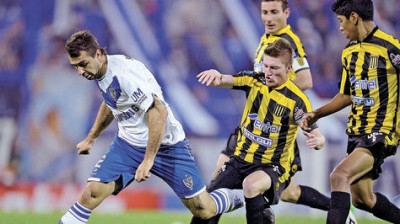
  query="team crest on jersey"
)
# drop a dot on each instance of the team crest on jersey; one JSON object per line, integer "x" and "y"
{"x": 113, "y": 93}
{"x": 188, "y": 181}
{"x": 279, "y": 110}
{"x": 373, "y": 61}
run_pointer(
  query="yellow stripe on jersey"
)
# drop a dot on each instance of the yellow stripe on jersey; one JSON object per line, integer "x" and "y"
{"x": 269, "y": 123}
{"x": 287, "y": 34}
{"x": 370, "y": 77}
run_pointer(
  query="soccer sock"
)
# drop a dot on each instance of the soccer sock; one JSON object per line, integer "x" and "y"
{"x": 339, "y": 208}
{"x": 313, "y": 198}
{"x": 254, "y": 209}
{"x": 77, "y": 214}
{"x": 385, "y": 210}
{"x": 227, "y": 200}
{"x": 269, "y": 216}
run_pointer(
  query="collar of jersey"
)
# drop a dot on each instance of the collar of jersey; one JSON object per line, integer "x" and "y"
{"x": 283, "y": 30}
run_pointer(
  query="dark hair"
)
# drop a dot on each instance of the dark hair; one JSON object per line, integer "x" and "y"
{"x": 82, "y": 41}
{"x": 364, "y": 8}
{"x": 285, "y": 3}
{"x": 280, "y": 48}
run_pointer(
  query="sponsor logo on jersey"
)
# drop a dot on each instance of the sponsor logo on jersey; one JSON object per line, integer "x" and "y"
{"x": 395, "y": 59}
{"x": 365, "y": 84}
{"x": 373, "y": 62}
{"x": 125, "y": 115}
{"x": 138, "y": 96}
{"x": 266, "y": 142}
{"x": 361, "y": 101}
{"x": 188, "y": 181}
{"x": 298, "y": 114}
{"x": 265, "y": 127}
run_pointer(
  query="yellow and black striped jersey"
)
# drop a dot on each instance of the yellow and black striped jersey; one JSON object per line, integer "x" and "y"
{"x": 269, "y": 123}
{"x": 299, "y": 54}
{"x": 370, "y": 75}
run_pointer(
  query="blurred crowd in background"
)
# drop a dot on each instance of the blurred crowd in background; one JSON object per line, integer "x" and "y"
{"x": 46, "y": 109}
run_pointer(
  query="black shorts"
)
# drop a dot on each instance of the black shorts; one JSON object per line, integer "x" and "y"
{"x": 230, "y": 147}
{"x": 236, "y": 170}
{"x": 380, "y": 145}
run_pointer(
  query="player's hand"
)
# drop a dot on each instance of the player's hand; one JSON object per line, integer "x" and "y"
{"x": 307, "y": 120}
{"x": 209, "y": 77}
{"x": 313, "y": 141}
{"x": 143, "y": 171}
{"x": 85, "y": 146}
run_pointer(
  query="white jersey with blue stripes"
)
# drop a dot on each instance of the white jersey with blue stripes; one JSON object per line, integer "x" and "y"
{"x": 128, "y": 88}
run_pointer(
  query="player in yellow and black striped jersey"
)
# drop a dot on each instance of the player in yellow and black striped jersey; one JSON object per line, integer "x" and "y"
{"x": 370, "y": 84}
{"x": 265, "y": 147}
{"x": 274, "y": 14}
{"x": 300, "y": 63}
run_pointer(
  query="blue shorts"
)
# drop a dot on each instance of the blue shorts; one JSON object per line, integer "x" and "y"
{"x": 173, "y": 163}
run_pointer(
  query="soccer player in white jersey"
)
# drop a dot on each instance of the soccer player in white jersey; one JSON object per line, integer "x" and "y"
{"x": 149, "y": 140}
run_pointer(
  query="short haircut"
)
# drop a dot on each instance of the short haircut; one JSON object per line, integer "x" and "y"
{"x": 364, "y": 8}
{"x": 280, "y": 48}
{"x": 82, "y": 41}
{"x": 285, "y": 3}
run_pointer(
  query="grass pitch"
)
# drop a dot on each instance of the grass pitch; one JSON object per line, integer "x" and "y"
{"x": 152, "y": 217}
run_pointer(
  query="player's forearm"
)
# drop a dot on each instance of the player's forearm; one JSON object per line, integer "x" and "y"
{"x": 339, "y": 102}
{"x": 157, "y": 116}
{"x": 226, "y": 81}
{"x": 103, "y": 120}
{"x": 303, "y": 79}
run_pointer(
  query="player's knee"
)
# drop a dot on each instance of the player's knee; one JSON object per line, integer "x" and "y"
{"x": 250, "y": 189}
{"x": 95, "y": 192}
{"x": 339, "y": 177}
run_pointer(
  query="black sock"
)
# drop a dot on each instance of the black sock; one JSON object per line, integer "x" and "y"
{"x": 385, "y": 210}
{"x": 313, "y": 198}
{"x": 254, "y": 209}
{"x": 339, "y": 208}
{"x": 196, "y": 220}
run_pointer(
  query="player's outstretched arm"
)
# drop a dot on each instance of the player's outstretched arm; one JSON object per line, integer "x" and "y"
{"x": 103, "y": 120}
{"x": 215, "y": 78}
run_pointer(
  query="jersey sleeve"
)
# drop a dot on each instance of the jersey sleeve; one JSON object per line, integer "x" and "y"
{"x": 394, "y": 53}
{"x": 344, "y": 82}
{"x": 303, "y": 106}
{"x": 135, "y": 83}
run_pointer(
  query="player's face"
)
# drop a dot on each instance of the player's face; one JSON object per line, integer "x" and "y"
{"x": 273, "y": 16}
{"x": 348, "y": 27}
{"x": 87, "y": 66}
{"x": 276, "y": 72}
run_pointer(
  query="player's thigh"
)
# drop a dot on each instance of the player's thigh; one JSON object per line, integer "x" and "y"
{"x": 354, "y": 166}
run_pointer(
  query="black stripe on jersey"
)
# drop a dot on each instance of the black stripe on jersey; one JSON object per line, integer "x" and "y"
{"x": 268, "y": 118}
{"x": 352, "y": 71}
{"x": 254, "y": 109}
{"x": 365, "y": 94}
{"x": 292, "y": 43}
{"x": 281, "y": 144}
{"x": 383, "y": 95}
